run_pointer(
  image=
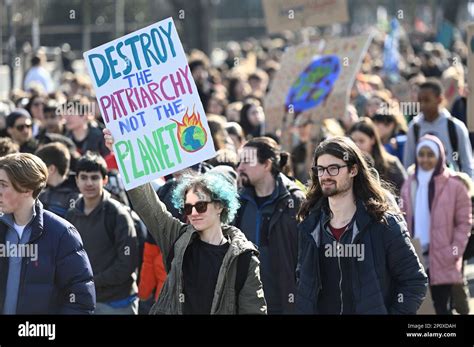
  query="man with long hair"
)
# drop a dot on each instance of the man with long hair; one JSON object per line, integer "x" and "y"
{"x": 355, "y": 255}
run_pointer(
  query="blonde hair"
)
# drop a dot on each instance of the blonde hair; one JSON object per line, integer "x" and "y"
{"x": 26, "y": 172}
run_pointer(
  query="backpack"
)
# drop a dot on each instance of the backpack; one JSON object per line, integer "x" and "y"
{"x": 140, "y": 229}
{"x": 243, "y": 263}
{"x": 116, "y": 188}
{"x": 453, "y": 138}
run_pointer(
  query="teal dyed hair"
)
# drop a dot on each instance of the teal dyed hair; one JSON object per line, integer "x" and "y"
{"x": 217, "y": 186}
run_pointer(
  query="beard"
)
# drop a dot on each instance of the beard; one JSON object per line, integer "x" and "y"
{"x": 245, "y": 180}
{"x": 335, "y": 189}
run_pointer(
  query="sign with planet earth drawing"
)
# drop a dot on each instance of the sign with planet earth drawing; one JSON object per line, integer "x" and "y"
{"x": 191, "y": 134}
{"x": 149, "y": 101}
{"x": 314, "y": 81}
{"x": 314, "y": 84}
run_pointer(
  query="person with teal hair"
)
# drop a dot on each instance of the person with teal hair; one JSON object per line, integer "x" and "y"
{"x": 212, "y": 267}
{"x": 218, "y": 186}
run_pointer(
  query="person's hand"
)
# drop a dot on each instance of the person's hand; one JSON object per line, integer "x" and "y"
{"x": 109, "y": 139}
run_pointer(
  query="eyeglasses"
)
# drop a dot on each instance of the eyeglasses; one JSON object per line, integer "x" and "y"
{"x": 201, "y": 207}
{"x": 22, "y": 127}
{"x": 333, "y": 170}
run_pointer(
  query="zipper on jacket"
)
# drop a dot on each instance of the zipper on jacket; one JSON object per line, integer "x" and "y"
{"x": 259, "y": 221}
{"x": 25, "y": 262}
{"x": 257, "y": 228}
{"x": 339, "y": 266}
{"x": 259, "y": 214}
{"x": 340, "y": 279}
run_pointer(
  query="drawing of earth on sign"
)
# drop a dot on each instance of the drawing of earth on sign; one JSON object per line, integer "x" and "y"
{"x": 314, "y": 84}
{"x": 191, "y": 134}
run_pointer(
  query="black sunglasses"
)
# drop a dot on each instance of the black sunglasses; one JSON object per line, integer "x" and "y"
{"x": 21, "y": 127}
{"x": 200, "y": 206}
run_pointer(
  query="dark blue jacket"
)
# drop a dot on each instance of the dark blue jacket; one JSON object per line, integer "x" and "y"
{"x": 273, "y": 228}
{"x": 389, "y": 280}
{"x": 60, "y": 281}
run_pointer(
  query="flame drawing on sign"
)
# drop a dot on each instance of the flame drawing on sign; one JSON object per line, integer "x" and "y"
{"x": 191, "y": 134}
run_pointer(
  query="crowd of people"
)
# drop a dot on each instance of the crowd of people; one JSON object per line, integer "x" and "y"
{"x": 254, "y": 230}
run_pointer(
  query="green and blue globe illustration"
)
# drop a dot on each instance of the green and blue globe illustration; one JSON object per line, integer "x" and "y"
{"x": 193, "y": 138}
{"x": 314, "y": 84}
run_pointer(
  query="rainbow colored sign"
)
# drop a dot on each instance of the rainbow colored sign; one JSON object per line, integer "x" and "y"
{"x": 150, "y": 103}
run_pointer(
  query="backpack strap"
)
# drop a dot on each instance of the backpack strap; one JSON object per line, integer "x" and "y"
{"x": 453, "y": 139}
{"x": 243, "y": 264}
{"x": 110, "y": 222}
{"x": 416, "y": 131}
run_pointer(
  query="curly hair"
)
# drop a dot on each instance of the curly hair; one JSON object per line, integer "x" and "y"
{"x": 216, "y": 185}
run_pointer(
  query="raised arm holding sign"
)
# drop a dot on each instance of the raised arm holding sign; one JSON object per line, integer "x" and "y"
{"x": 157, "y": 118}
{"x": 212, "y": 267}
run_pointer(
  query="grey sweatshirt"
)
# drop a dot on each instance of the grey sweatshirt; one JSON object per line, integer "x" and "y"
{"x": 439, "y": 128}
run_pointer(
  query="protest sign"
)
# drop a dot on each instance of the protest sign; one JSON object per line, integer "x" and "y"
{"x": 295, "y": 14}
{"x": 314, "y": 81}
{"x": 149, "y": 101}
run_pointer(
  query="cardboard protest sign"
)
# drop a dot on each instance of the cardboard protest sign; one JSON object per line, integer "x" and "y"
{"x": 314, "y": 81}
{"x": 150, "y": 103}
{"x": 470, "y": 78}
{"x": 295, "y": 14}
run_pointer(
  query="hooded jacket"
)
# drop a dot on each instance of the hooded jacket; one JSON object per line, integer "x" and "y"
{"x": 273, "y": 227}
{"x": 450, "y": 216}
{"x": 372, "y": 284}
{"x": 170, "y": 233}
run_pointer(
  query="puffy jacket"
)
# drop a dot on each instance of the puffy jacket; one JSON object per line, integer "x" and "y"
{"x": 169, "y": 233}
{"x": 61, "y": 272}
{"x": 389, "y": 280}
{"x": 273, "y": 227}
{"x": 450, "y": 218}
{"x": 153, "y": 273}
